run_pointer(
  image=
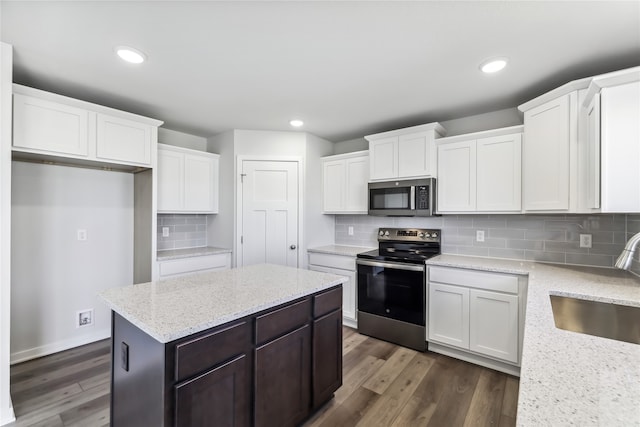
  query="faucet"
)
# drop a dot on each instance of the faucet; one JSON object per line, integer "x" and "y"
{"x": 624, "y": 260}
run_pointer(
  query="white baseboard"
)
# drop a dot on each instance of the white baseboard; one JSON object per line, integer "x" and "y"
{"x": 7, "y": 416}
{"x": 45, "y": 350}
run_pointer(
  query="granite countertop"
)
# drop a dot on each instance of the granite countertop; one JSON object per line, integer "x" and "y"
{"x": 175, "y": 308}
{"x": 340, "y": 250}
{"x": 568, "y": 378}
{"x": 190, "y": 252}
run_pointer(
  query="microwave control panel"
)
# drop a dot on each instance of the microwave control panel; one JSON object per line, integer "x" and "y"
{"x": 422, "y": 197}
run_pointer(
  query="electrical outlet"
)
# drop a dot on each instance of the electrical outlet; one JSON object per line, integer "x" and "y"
{"x": 165, "y": 231}
{"x": 84, "y": 318}
{"x": 350, "y": 230}
{"x": 479, "y": 235}
{"x": 82, "y": 234}
{"x": 585, "y": 240}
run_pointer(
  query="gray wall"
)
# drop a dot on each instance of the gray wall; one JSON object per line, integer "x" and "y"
{"x": 550, "y": 238}
{"x": 181, "y": 139}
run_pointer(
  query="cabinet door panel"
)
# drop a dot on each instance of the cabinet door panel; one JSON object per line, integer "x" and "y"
{"x": 282, "y": 383}
{"x": 457, "y": 177}
{"x": 333, "y": 178}
{"x": 414, "y": 155}
{"x": 592, "y": 185}
{"x": 123, "y": 140}
{"x": 198, "y": 183}
{"x": 49, "y": 126}
{"x": 546, "y": 156}
{"x": 449, "y": 315}
{"x": 327, "y": 357}
{"x": 357, "y": 177}
{"x": 499, "y": 173}
{"x": 494, "y": 324}
{"x": 384, "y": 158}
{"x": 170, "y": 180}
{"x": 221, "y": 395}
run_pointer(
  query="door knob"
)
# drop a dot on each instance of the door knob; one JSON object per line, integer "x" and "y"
{"x": 292, "y": 247}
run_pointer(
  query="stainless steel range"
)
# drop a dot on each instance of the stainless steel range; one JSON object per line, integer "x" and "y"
{"x": 392, "y": 285}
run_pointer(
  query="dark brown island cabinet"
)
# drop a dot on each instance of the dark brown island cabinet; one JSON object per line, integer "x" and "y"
{"x": 273, "y": 368}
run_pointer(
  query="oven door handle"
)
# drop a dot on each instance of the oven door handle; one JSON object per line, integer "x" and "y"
{"x": 408, "y": 267}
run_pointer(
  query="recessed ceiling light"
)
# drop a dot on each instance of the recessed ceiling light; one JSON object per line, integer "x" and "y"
{"x": 130, "y": 54}
{"x": 296, "y": 123}
{"x": 493, "y": 65}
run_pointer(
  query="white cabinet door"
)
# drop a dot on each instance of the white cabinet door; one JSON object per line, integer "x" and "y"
{"x": 357, "y": 177}
{"x": 416, "y": 155}
{"x": 493, "y": 324}
{"x": 47, "y": 126}
{"x": 546, "y": 156}
{"x": 123, "y": 140}
{"x": 620, "y": 142}
{"x": 384, "y": 158}
{"x": 170, "y": 180}
{"x": 592, "y": 184}
{"x": 333, "y": 190}
{"x": 457, "y": 176}
{"x": 449, "y": 315}
{"x": 348, "y": 290}
{"x": 199, "y": 179}
{"x": 499, "y": 173}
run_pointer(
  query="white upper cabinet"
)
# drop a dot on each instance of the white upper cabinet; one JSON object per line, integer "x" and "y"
{"x": 480, "y": 172}
{"x": 344, "y": 179}
{"x": 547, "y": 144}
{"x": 404, "y": 153}
{"x": 187, "y": 180}
{"x": 123, "y": 140}
{"x": 610, "y": 149}
{"x": 47, "y": 126}
{"x": 50, "y": 125}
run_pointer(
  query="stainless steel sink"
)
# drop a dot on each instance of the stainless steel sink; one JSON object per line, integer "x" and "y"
{"x": 607, "y": 320}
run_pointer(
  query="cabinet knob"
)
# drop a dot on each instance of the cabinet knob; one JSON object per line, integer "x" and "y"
{"x": 292, "y": 247}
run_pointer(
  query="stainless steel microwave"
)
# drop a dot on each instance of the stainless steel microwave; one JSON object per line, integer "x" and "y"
{"x": 414, "y": 197}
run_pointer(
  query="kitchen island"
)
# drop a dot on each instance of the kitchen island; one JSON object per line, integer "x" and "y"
{"x": 257, "y": 345}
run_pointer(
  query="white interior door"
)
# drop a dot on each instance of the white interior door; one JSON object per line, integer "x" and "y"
{"x": 269, "y": 232}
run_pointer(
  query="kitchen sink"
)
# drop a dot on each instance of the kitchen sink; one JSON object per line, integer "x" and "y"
{"x": 607, "y": 320}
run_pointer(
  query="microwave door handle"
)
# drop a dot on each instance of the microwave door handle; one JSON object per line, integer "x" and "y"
{"x": 412, "y": 198}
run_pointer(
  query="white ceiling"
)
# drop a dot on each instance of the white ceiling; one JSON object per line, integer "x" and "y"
{"x": 346, "y": 68}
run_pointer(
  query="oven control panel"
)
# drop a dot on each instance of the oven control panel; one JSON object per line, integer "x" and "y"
{"x": 409, "y": 234}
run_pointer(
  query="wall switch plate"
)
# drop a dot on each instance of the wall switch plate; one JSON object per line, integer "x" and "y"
{"x": 124, "y": 356}
{"x": 479, "y": 235}
{"x": 585, "y": 240}
{"x": 165, "y": 231}
{"x": 350, "y": 230}
{"x": 84, "y": 318}
{"x": 82, "y": 234}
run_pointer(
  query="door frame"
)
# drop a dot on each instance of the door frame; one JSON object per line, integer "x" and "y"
{"x": 238, "y": 201}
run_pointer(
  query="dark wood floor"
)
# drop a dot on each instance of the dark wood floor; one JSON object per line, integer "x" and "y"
{"x": 383, "y": 385}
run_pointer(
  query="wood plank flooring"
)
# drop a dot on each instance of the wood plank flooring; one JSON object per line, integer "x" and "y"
{"x": 383, "y": 385}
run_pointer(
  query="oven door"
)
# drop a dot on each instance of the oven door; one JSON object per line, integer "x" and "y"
{"x": 392, "y": 290}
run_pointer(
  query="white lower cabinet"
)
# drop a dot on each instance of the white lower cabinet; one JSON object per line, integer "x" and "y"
{"x": 480, "y": 313}
{"x": 342, "y": 265}
{"x": 196, "y": 264}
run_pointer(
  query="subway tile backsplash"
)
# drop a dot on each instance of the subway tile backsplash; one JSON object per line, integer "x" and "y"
{"x": 549, "y": 238}
{"x": 185, "y": 231}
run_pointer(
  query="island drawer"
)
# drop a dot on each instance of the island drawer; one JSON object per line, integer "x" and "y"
{"x": 206, "y": 351}
{"x": 327, "y": 302}
{"x": 283, "y": 320}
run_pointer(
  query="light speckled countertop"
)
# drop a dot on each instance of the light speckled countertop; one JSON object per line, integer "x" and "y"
{"x": 175, "y": 308}
{"x": 568, "y": 378}
{"x": 190, "y": 252}
{"x": 340, "y": 250}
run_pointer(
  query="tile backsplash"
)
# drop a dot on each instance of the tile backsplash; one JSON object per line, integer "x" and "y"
{"x": 549, "y": 238}
{"x": 633, "y": 227}
{"x": 185, "y": 231}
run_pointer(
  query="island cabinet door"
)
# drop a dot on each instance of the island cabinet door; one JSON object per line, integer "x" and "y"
{"x": 218, "y": 397}
{"x": 327, "y": 357}
{"x": 282, "y": 379}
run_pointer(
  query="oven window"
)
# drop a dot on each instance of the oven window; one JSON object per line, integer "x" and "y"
{"x": 392, "y": 293}
{"x": 389, "y": 198}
